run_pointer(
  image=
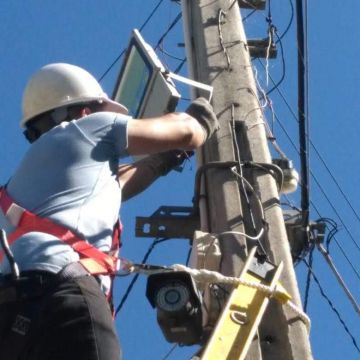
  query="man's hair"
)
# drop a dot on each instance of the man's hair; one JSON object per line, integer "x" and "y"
{"x": 47, "y": 120}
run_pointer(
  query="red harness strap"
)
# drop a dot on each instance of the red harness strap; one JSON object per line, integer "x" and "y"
{"x": 94, "y": 261}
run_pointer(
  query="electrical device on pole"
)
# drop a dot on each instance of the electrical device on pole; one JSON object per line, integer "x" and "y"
{"x": 238, "y": 200}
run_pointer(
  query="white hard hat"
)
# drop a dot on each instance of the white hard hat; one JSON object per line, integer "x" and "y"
{"x": 58, "y": 85}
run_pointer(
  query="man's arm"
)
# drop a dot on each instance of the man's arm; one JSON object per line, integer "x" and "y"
{"x": 135, "y": 178}
{"x": 185, "y": 131}
{"x": 181, "y": 131}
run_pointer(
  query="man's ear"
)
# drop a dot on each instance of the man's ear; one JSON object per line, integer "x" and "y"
{"x": 85, "y": 111}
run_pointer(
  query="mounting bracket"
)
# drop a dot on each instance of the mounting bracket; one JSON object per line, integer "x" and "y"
{"x": 168, "y": 222}
{"x": 252, "y": 4}
{"x": 258, "y": 48}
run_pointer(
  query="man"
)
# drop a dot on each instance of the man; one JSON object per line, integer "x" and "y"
{"x": 61, "y": 205}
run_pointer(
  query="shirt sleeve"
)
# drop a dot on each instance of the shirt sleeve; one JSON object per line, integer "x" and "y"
{"x": 108, "y": 129}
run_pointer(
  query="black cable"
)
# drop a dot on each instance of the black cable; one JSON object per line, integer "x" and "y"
{"x": 175, "y": 21}
{"x": 169, "y": 55}
{"x": 123, "y": 51}
{"x": 242, "y": 184}
{"x": 316, "y": 180}
{"x": 335, "y": 210}
{"x": 339, "y": 246}
{"x": 177, "y": 70}
{"x": 166, "y": 356}
{"x": 188, "y": 256}
{"x": 248, "y": 15}
{"x": 302, "y": 114}
{"x": 290, "y": 21}
{"x": 312, "y": 146}
{"x": 228, "y": 165}
{"x": 308, "y": 279}
{"x": 112, "y": 65}
{"x": 336, "y": 182}
{"x": 133, "y": 281}
{"x": 332, "y": 305}
{"x": 333, "y": 229}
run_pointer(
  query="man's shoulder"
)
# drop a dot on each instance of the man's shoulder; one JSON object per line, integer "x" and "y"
{"x": 103, "y": 118}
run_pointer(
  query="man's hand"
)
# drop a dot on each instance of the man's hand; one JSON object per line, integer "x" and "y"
{"x": 163, "y": 163}
{"x": 135, "y": 178}
{"x": 202, "y": 111}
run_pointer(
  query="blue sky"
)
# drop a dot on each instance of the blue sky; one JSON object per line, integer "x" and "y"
{"x": 92, "y": 34}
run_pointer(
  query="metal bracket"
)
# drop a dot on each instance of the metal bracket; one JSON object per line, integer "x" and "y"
{"x": 258, "y": 48}
{"x": 252, "y": 4}
{"x": 168, "y": 222}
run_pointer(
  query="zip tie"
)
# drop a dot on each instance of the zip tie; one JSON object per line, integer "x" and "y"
{"x": 279, "y": 293}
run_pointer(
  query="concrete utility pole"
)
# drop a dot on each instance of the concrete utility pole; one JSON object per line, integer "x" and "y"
{"x": 217, "y": 55}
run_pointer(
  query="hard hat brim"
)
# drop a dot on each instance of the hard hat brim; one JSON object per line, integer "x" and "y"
{"x": 113, "y": 106}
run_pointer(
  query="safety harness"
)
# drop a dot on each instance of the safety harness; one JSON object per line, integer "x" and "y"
{"x": 93, "y": 260}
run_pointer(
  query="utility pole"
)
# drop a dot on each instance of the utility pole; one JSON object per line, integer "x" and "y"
{"x": 218, "y": 55}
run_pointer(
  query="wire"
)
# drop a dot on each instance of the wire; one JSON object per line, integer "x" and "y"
{"x": 335, "y": 210}
{"x": 177, "y": 70}
{"x": 123, "y": 51}
{"x": 241, "y": 175}
{"x": 222, "y": 14}
{"x": 308, "y": 279}
{"x": 161, "y": 49}
{"x": 248, "y": 15}
{"x": 333, "y": 308}
{"x": 338, "y": 276}
{"x": 133, "y": 281}
{"x": 166, "y": 356}
{"x": 332, "y": 230}
{"x": 283, "y": 65}
{"x": 257, "y": 237}
{"x": 171, "y": 26}
{"x": 302, "y": 113}
{"x": 320, "y": 187}
{"x": 340, "y": 247}
{"x": 346, "y": 198}
{"x": 290, "y": 21}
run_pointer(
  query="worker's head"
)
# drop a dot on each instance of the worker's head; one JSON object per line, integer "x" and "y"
{"x": 60, "y": 92}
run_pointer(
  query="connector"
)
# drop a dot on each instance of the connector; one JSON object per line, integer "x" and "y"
{"x": 291, "y": 176}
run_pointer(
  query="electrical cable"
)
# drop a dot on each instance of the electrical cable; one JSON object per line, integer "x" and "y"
{"x": 338, "y": 276}
{"x": 332, "y": 231}
{"x": 308, "y": 279}
{"x": 161, "y": 49}
{"x": 177, "y": 70}
{"x": 346, "y": 198}
{"x": 332, "y": 306}
{"x": 244, "y": 181}
{"x": 230, "y": 165}
{"x": 303, "y": 141}
{"x": 123, "y": 51}
{"x": 321, "y": 188}
{"x": 166, "y": 356}
{"x": 222, "y": 14}
{"x": 303, "y": 114}
{"x": 335, "y": 210}
{"x": 249, "y": 15}
{"x": 171, "y": 26}
{"x": 290, "y": 21}
{"x": 135, "y": 278}
{"x": 283, "y": 66}
{"x": 339, "y": 246}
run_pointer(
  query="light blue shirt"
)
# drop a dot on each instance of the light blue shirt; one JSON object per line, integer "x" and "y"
{"x": 69, "y": 176}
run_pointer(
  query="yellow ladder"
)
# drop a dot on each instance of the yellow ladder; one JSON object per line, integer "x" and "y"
{"x": 242, "y": 314}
